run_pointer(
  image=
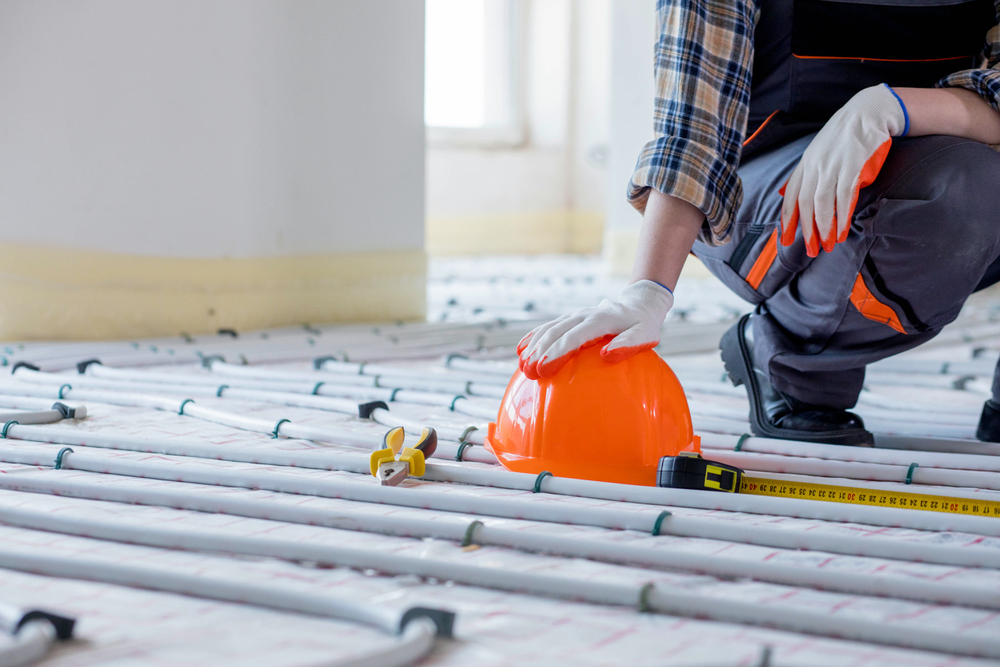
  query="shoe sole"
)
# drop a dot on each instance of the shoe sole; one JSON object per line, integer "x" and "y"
{"x": 739, "y": 366}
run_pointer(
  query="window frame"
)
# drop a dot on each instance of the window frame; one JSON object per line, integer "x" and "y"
{"x": 509, "y": 135}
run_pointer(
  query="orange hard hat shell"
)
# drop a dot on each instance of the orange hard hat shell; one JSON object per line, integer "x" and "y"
{"x": 595, "y": 420}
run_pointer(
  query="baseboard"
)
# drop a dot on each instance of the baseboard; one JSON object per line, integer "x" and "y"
{"x": 60, "y": 294}
{"x": 534, "y": 233}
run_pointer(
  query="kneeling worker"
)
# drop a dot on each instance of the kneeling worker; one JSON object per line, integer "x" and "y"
{"x": 829, "y": 162}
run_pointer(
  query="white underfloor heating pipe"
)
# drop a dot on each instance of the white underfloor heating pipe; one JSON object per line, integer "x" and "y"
{"x": 714, "y": 418}
{"x": 981, "y": 386}
{"x": 380, "y": 375}
{"x": 198, "y": 376}
{"x": 702, "y": 422}
{"x": 428, "y": 496}
{"x": 980, "y": 367}
{"x": 896, "y": 431}
{"x": 988, "y": 461}
{"x": 473, "y": 433}
{"x": 656, "y": 597}
{"x": 885, "y": 381}
{"x": 458, "y": 403}
{"x": 29, "y": 645}
{"x": 873, "y": 472}
{"x": 300, "y": 382}
{"x": 475, "y": 532}
{"x": 121, "y": 393}
{"x": 911, "y": 409}
{"x": 432, "y": 497}
{"x": 409, "y": 646}
{"x": 498, "y": 369}
{"x": 876, "y": 420}
{"x": 940, "y": 445}
{"x": 952, "y": 440}
{"x": 188, "y": 407}
{"x": 269, "y": 395}
{"x": 263, "y": 350}
{"x": 763, "y": 463}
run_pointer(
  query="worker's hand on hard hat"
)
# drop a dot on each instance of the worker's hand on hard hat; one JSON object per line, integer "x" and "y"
{"x": 844, "y": 157}
{"x": 627, "y": 326}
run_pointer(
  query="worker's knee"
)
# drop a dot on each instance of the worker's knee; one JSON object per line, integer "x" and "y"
{"x": 935, "y": 228}
{"x": 944, "y": 198}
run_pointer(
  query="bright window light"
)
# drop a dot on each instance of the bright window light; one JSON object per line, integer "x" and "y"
{"x": 469, "y": 64}
{"x": 455, "y": 79}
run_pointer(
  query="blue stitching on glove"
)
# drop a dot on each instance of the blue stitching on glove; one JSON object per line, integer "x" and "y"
{"x": 670, "y": 290}
{"x": 906, "y": 114}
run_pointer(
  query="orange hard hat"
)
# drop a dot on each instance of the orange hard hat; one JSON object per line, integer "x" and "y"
{"x": 595, "y": 420}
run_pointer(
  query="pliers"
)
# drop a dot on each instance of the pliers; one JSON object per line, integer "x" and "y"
{"x": 390, "y": 466}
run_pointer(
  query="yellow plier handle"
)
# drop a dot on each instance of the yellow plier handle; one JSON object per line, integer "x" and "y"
{"x": 415, "y": 457}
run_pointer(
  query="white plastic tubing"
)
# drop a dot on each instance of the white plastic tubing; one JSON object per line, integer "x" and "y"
{"x": 648, "y": 597}
{"x": 477, "y": 532}
{"x": 195, "y": 385}
{"x": 379, "y": 375}
{"x": 733, "y": 420}
{"x": 465, "y": 475}
{"x": 429, "y": 496}
{"x": 304, "y": 393}
{"x": 28, "y": 645}
{"x": 355, "y": 343}
{"x": 415, "y": 641}
{"x": 869, "y": 472}
{"x": 123, "y": 395}
{"x": 987, "y": 460}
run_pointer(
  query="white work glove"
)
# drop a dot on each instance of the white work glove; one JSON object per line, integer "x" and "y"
{"x": 629, "y": 325}
{"x": 844, "y": 157}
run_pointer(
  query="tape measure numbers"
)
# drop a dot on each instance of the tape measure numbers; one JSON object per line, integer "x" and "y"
{"x": 691, "y": 471}
{"x": 761, "y": 486}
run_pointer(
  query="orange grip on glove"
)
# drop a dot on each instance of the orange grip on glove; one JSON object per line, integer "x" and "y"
{"x": 845, "y": 156}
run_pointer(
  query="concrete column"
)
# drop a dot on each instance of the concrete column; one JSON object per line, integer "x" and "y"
{"x": 185, "y": 165}
{"x": 633, "y": 36}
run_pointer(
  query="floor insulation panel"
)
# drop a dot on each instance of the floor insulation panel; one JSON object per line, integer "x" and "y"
{"x": 213, "y": 506}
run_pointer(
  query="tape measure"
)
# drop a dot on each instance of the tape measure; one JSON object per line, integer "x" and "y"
{"x": 691, "y": 471}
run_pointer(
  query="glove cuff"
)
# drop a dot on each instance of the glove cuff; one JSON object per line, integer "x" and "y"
{"x": 880, "y": 105}
{"x": 649, "y": 297}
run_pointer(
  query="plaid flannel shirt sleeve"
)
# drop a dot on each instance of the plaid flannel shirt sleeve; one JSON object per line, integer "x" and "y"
{"x": 704, "y": 57}
{"x": 983, "y": 80}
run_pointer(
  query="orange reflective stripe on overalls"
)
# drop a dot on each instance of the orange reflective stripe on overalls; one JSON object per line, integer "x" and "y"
{"x": 872, "y": 308}
{"x": 764, "y": 261}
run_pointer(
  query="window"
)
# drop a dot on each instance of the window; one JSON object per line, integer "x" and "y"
{"x": 470, "y": 86}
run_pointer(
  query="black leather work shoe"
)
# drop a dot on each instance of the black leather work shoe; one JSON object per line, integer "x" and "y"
{"x": 777, "y": 415}
{"x": 989, "y": 422}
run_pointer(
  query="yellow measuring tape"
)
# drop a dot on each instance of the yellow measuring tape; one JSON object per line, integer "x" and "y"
{"x": 761, "y": 486}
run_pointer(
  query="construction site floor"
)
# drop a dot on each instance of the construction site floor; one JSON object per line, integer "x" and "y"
{"x": 213, "y": 506}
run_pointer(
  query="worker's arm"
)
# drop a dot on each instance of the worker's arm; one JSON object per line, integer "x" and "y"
{"x": 669, "y": 229}
{"x": 632, "y": 322}
{"x": 954, "y": 111}
{"x": 685, "y": 182}
{"x": 848, "y": 153}
{"x": 704, "y": 62}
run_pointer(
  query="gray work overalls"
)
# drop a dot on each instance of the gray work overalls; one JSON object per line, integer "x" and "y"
{"x": 924, "y": 234}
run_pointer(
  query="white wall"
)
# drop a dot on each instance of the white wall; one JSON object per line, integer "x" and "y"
{"x": 556, "y": 176}
{"x": 633, "y": 36}
{"x": 211, "y": 128}
{"x": 174, "y": 166}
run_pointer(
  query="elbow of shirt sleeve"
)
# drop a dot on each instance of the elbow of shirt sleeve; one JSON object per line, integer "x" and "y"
{"x": 676, "y": 167}
{"x": 984, "y": 82}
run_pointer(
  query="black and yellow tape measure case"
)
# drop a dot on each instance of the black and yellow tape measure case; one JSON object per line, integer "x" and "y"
{"x": 691, "y": 471}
